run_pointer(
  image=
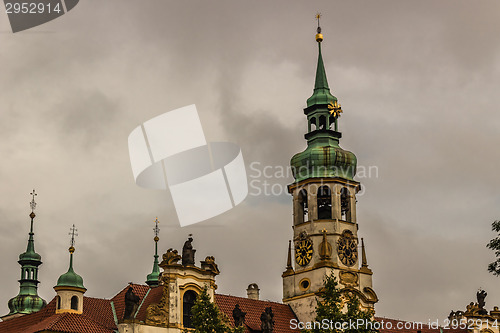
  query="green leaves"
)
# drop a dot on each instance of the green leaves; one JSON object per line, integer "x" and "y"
{"x": 208, "y": 318}
{"x": 340, "y": 310}
{"x": 494, "y": 245}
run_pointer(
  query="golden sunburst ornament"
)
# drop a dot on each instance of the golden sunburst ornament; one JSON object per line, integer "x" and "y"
{"x": 335, "y": 109}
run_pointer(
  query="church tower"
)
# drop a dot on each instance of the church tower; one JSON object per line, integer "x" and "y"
{"x": 28, "y": 301}
{"x": 325, "y": 227}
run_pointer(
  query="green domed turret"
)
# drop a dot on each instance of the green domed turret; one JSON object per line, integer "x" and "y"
{"x": 28, "y": 301}
{"x": 323, "y": 156}
{"x": 70, "y": 278}
{"x": 70, "y": 288}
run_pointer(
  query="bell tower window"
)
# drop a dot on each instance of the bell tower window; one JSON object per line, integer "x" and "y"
{"x": 324, "y": 203}
{"x": 312, "y": 124}
{"x": 331, "y": 121}
{"x": 303, "y": 209}
{"x": 322, "y": 122}
{"x": 344, "y": 203}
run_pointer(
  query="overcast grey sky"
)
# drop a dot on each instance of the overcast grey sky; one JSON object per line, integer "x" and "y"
{"x": 418, "y": 82}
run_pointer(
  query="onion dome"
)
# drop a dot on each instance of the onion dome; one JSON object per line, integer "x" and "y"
{"x": 70, "y": 278}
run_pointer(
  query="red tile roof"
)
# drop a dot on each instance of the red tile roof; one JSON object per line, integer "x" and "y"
{"x": 153, "y": 297}
{"x": 254, "y": 308}
{"x": 98, "y": 316}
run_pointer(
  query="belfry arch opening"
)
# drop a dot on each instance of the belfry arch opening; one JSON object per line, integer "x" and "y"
{"x": 345, "y": 203}
{"x": 322, "y": 122}
{"x": 303, "y": 208}
{"x": 324, "y": 199}
{"x": 312, "y": 124}
{"x": 331, "y": 122}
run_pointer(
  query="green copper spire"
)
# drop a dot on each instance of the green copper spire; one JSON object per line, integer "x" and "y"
{"x": 321, "y": 94}
{"x": 28, "y": 301}
{"x": 70, "y": 278}
{"x": 323, "y": 157}
{"x": 153, "y": 279}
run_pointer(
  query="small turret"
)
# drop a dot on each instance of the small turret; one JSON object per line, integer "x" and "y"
{"x": 70, "y": 288}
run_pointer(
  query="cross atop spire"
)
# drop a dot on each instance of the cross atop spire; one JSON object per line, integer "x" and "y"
{"x": 156, "y": 229}
{"x": 33, "y": 203}
{"x": 73, "y": 234}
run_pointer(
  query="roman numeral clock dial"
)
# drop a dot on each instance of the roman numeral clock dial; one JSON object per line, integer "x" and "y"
{"x": 304, "y": 252}
{"x": 347, "y": 250}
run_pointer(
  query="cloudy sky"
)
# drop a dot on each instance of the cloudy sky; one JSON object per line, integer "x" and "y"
{"x": 418, "y": 82}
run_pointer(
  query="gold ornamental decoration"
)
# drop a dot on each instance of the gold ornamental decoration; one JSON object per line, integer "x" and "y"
{"x": 335, "y": 109}
{"x": 157, "y": 314}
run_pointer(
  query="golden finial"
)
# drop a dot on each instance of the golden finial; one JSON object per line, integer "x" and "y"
{"x": 319, "y": 36}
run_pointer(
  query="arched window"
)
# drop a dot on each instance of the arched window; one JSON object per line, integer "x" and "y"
{"x": 344, "y": 203}
{"x": 312, "y": 124}
{"x": 331, "y": 122}
{"x": 187, "y": 304}
{"x": 322, "y": 122}
{"x": 27, "y": 274}
{"x": 303, "y": 211}
{"x": 58, "y": 301}
{"x": 324, "y": 203}
{"x": 74, "y": 303}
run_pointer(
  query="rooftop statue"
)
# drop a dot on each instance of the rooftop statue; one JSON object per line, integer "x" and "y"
{"x": 188, "y": 253}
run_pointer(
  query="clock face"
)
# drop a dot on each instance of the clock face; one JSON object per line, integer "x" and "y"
{"x": 347, "y": 250}
{"x": 304, "y": 252}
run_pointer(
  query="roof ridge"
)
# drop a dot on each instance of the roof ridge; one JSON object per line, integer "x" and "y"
{"x": 252, "y": 300}
{"x": 122, "y": 289}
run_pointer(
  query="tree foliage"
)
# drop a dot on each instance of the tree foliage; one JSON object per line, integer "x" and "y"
{"x": 206, "y": 317}
{"x": 494, "y": 245}
{"x": 336, "y": 309}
